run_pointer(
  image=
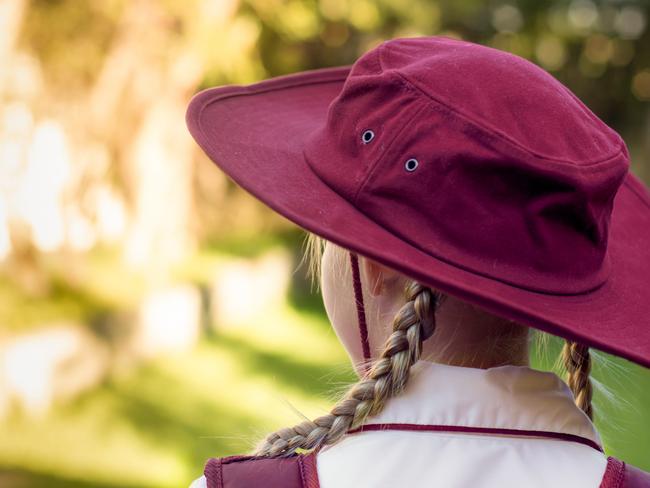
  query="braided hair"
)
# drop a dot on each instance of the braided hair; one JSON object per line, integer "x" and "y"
{"x": 577, "y": 362}
{"x": 389, "y": 373}
{"x": 386, "y": 378}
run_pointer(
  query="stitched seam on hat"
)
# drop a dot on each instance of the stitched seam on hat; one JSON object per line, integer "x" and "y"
{"x": 498, "y": 134}
{"x": 382, "y": 156}
{"x": 493, "y": 132}
{"x": 196, "y": 119}
{"x": 278, "y": 85}
{"x": 377, "y": 60}
{"x": 380, "y": 55}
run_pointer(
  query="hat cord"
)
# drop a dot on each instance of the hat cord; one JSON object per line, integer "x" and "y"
{"x": 386, "y": 377}
{"x": 361, "y": 311}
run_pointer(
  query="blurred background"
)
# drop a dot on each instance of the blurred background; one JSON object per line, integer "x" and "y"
{"x": 151, "y": 313}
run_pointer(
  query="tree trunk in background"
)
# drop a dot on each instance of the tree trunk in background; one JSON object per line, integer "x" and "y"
{"x": 162, "y": 173}
{"x": 150, "y": 74}
{"x": 11, "y": 17}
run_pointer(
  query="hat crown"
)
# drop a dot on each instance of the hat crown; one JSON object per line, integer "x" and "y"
{"x": 515, "y": 178}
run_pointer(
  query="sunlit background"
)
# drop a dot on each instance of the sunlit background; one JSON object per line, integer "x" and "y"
{"x": 151, "y": 313}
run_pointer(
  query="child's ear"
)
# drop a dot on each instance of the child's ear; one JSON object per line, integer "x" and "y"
{"x": 377, "y": 276}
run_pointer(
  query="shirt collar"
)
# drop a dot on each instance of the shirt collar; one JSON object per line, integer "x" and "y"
{"x": 504, "y": 397}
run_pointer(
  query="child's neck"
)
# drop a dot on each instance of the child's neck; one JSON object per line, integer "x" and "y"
{"x": 470, "y": 337}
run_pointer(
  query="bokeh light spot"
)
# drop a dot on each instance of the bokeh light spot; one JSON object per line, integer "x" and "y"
{"x": 641, "y": 85}
{"x": 507, "y": 18}
{"x": 551, "y": 52}
{"x": 583, "y": 14}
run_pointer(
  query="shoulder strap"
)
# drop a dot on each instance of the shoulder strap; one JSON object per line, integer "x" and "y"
{"x": 635, "y": 478}
{"x": 298, "y": 471}
{"x": 621, "y": 475}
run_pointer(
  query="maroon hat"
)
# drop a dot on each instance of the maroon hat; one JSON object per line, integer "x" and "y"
{"x": 466, "y": 168}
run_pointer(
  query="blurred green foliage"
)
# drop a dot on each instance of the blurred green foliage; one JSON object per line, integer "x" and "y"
{"x": 155, "y": 423}
{"x": 155, "y": 426}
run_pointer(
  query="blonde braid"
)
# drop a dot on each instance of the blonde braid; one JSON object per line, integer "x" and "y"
{"x": 387, "y": 377}
{"x": 577, "y": 362}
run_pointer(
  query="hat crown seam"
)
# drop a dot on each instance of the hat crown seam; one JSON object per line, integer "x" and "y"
{"x": 495, "y": 133}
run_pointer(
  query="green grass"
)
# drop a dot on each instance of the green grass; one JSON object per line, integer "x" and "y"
{"x": 155, "y": 425}
{"x": 70, "y": 287}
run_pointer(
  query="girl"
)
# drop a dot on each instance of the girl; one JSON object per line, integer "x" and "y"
{"x": 469, "y": 196}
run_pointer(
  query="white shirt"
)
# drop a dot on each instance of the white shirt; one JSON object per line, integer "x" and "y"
{"x": 502, "y": 398}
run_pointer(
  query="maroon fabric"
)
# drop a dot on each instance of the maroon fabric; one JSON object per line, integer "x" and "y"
{"x": 635, "y": 478}
{"x": 521, "y": 203}
{"x": 300, "y": 471}
{"x": 361, "y": 309}
{"x": 613, "y": 476}
{"x": 478, "y": 430}
{"x": 297, "y": 471}
{"x": 621, "y": 475}
{"x": 310, "y": 470}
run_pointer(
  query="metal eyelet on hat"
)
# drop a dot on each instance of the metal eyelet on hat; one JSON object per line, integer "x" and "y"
{"x": 411, "y": 165}
{"x": 367, "y": 136}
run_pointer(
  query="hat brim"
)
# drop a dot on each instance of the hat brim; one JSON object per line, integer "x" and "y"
{"x": 256, "y": 134}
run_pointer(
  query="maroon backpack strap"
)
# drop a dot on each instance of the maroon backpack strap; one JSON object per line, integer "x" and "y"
{"x": 635, "y": 478}
{"x": 298, "y": 471}
{"x": 621, "y": 475}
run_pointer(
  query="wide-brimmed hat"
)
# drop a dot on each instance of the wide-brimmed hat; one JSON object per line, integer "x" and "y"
{"x": 466, "y": 168}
